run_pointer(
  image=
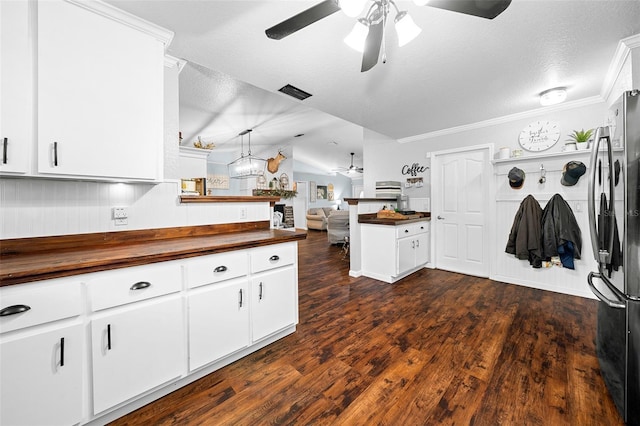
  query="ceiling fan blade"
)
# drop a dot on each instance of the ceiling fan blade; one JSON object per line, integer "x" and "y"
{"x": 488, "y": 9}
{"x": 372, "y": 46}
{"x": 302, "y": 19}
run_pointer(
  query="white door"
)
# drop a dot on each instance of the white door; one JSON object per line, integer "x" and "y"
{"x": 273, "y": 302}
{"x": 301, "y": 205}
{"x": 461, "y": 188}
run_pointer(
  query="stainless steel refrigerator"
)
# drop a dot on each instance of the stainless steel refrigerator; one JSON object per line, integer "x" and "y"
{"x": 614, "y": 218}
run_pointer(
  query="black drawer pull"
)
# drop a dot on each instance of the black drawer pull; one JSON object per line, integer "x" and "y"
{"x": 13, "y": 310}
{"x": 55, "y": 154}
{"x": 274, "y": 258}
{"x": 406, "y": 231}
{"x": 4, "y": 150}
{"x": 62, "y": 352}
{"x": 140, "y": 285}
{"x": 108, "y": 336}
{"x": 221, "y": 268}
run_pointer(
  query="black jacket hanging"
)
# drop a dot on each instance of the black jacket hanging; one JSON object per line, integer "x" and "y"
{"x": 561, "y": 235}
{"x": 525, "y": 237}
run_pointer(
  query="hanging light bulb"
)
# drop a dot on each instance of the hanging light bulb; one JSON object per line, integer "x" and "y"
{"x": 352, "y": 8}
{"x": 406, "y": 28}
{"x": 358, "y": 35}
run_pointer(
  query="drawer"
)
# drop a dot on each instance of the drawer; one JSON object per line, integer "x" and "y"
{"x": 121, "y": 286}
{"x": 216, "y": 267}
{"x": 39, "y": 302}
{"x": 275, "y": 256}
{"x": 411, "y": 229}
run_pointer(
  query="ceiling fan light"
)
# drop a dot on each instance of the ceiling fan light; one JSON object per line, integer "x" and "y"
{"x": 406, "y": 28}
{"x": 553, "y": 96}
{"x": 420, "y": 2}
{"x": 358, "y": 35}
{"x": 352, "y": 8}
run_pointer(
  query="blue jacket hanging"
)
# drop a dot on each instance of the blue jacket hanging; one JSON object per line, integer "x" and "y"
{"x": 561, "y": 235}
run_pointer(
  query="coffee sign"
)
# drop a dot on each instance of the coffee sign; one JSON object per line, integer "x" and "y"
{"x": 413, "y": 169}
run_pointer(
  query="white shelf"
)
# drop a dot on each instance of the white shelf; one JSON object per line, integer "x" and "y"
{"x": 583, "y": 152}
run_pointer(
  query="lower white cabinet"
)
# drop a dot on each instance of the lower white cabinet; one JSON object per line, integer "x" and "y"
{"x": 42, "y": 353}
{"x": 218, "y": 321}
{"x": 41, "y": 377}
{"x": 274, "y": 303}
{"x": 136, "y": 348}
{"x": 389, "y": 252}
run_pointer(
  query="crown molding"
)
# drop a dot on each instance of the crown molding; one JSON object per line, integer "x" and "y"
{"x": 504, "y": 119}
{"x": 619, "y": 58}
{"x": 104, "y": 9}
{"x": 173, "y": 62}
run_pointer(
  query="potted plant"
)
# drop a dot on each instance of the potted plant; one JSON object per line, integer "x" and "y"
{"x": 580, "y": 138}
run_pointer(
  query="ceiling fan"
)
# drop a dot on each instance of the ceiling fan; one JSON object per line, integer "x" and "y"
{"x": 351, "y": 169}
{"x": 369, "y": 33}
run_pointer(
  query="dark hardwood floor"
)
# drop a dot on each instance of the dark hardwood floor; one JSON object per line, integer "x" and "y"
{"x": 434, "y": 348}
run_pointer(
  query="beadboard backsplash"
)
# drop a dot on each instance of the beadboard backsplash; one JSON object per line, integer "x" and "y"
{"x": 43, "y": 207}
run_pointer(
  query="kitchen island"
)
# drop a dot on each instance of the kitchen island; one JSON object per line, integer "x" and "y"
{"x": 394, "y": 248}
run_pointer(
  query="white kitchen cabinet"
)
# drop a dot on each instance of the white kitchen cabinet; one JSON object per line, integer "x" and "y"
{"x": 99, "y": 93}
{"x": 274, "y": 302}
{"x": 41, "y": 354}
{"x": 136, "y": 348}
{"x": 218, "y": 321}
{"x": 390, "y": 253}
{"x": 16, "y": 105}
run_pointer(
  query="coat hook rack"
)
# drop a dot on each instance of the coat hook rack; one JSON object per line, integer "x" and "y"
{"x": 543, "y": 174}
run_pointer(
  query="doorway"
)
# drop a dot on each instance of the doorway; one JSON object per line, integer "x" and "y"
{"x": 461, "y": 186}
{"x": 301, "y": 204}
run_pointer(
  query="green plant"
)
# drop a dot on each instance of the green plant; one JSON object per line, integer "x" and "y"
{"x": 580, "y": 136}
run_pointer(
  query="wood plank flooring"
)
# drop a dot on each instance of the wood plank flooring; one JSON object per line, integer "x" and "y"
{"x": 435, "y": 348}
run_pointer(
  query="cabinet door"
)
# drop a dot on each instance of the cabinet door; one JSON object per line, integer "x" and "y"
{"x": 422, "y": 248}
{"x": 218, "y": 322}
{"x": 136, "y": 349}
{"x": 42, "y": 378}
{"x": 406, "y": 255}
{"x": 274, "y": 302}
{"x": 15, "y": 87}
{"x": 100, "y": 95}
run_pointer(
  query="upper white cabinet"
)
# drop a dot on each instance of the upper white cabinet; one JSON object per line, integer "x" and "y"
{"x": 99, "y": 92}
{"x": 15, "y": 88}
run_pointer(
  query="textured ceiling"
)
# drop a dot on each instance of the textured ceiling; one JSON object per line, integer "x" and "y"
{"x": 460, "y": 70}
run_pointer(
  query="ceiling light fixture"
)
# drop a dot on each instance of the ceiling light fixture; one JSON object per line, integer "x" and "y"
{"x": 246, "y": 166}
{"x": 553, "y": 96}
{"x": 377, "y": 13}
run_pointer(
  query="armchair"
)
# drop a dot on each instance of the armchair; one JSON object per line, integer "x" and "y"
{"x": 316, "y": 219}
{"x": 338, "y": 226}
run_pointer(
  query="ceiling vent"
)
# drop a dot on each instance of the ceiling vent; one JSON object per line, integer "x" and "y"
{"x": 294, "y": 92}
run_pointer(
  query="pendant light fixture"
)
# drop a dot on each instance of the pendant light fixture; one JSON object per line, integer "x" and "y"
{"x": 246, "y": 166}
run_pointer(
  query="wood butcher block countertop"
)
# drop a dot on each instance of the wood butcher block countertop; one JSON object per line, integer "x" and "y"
{"x": 34, "y": 259}
{"x": 372, "y": 219}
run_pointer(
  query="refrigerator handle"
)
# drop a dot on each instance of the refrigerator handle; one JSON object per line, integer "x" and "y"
{"x": 618, "y": 304}
{"x": 602, "y": 255}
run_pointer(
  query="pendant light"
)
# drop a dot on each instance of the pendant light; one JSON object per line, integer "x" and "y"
{"x": 246, "y": 166}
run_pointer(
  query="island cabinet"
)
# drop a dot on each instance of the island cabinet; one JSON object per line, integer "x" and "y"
{"x": 393, "y": 251}
{"x": 41, "y": 353}
{"x": 137, "y": 331}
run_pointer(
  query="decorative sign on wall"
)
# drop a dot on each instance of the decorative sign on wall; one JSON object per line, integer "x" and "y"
{"x": 313, "y": 192}
{"x": 218, "y": 181}
{"x": 414, "y": 169}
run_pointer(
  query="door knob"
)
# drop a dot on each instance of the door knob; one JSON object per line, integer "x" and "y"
{"x": 440, "y": 217}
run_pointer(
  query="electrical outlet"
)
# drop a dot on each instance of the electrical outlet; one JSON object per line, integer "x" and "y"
{"x": 243, "y": 213}
{"x": 120, "y": 215}
{"x": 119, "y": 212}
